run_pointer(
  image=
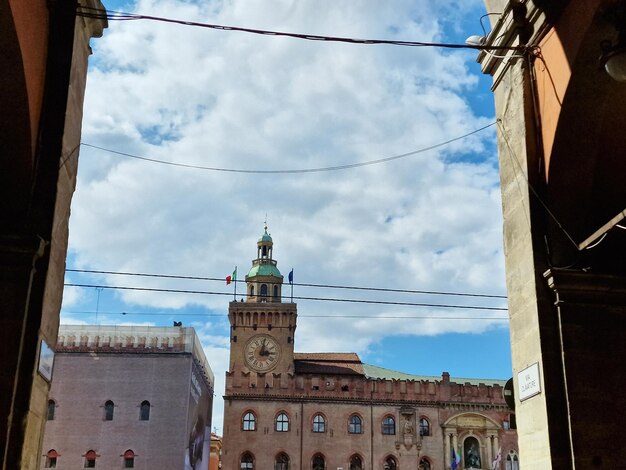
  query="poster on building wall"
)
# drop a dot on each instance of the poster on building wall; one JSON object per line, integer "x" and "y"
{"x": 198, "y": 421}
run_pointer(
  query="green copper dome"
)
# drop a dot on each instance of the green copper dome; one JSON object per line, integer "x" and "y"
{"x": 264, "y": 270}
{"x": 265, "y": 238}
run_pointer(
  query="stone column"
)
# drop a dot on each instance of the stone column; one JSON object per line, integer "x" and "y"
{"x": 496, "y": 445}
{"x": 446, "y": 450}
{"x": 489, "y": 450}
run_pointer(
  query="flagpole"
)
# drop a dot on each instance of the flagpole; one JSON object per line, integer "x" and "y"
{"x": 235, "y": 282}
{"x": 291, "y": 286}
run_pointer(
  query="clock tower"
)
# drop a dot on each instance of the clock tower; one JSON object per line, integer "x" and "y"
{"x": 262, "y": 326}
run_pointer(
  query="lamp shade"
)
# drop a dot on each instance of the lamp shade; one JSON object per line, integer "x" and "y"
{"x": 615, "y": 65}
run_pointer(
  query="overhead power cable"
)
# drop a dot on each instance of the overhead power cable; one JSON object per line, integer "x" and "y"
{"x": 98, "y": 13}
{"x": 300, "y": 315}
{"x": 325, "y": 299}
{"x": 292, "y": 171}
{"x": 328, "y": 286}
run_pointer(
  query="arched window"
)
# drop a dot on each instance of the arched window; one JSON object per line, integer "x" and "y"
{"x": 51, "y": 459}
{"x": 424, "y": 427}
{"x": 129, "y": 459}
{"x": 247, "y": 461}
{"x": 389, "y": 425}
{"x": 251, "y": 291}
{"x": 356, "y": 463}
{"x": 281, "y": 462}
{"x": 108, "y": 410}
{"x": 318, "y": 462}
{"x": 51, "y": 409}
{"x": 512, "y": 461}
{"x": 319, "y": 423}
{"x": 355, "y": 425}
{"x": 90, "y": 459}
{"x": 424, "y": 464}
{"x": 264, "y": 291}
{"x": 275, "y": 294}
{"x": 249, "y": 422}
{"x": 390, "y": 463}
{"x": 282, "y": 423}
{"x": 144, "y": 411}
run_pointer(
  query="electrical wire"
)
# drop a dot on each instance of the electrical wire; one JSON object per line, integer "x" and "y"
{"x": 328, "y": 286}
{"x": 69, "y": 155}
{"x": 324, "y": 299}
{"x": 98, "y": 13}
{"x": 220, "y": 315}
{"x": 596, "y": 243}
{"x": 293, "y": 171}
{"x": 531, "y": 187}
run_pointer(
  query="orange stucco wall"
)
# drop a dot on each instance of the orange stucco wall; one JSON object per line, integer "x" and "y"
{"x": 553, "y": 67}
{"x": 31, "y": 24}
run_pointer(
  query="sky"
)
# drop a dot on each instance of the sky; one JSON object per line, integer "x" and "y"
{"x": 429, "y": 222}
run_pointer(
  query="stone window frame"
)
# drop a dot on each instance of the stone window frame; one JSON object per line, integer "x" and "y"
{"x": 249, "y": 456}
{"x": 321, "y": 456}
{"x": 513, "y": 458}
{"x": 387, "y": 459}
{"x": 427, "y": 460}
{"x": 388, "y": 429}
{"x": 351, "y": 462}
{"x": 90, "y": 459}
{"x": 281, "y": 465}
{"x": 315, "y": 425}
{"x": 283, "y": 422}
{"x": 144, "y": 410}
{"x": 51, "y": 410}
{"x": 129, "y": 459}
{"x": 424, "y": 426}
{"x": 355, "y": 424}
{"x": 109, "y": 410}
{"x": 249, "y": 421}
{"x": 51, "y": 459}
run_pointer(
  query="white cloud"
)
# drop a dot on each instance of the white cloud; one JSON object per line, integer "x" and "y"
{"x": 223, "y": 99}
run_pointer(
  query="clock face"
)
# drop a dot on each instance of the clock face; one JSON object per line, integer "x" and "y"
{"x": 262, "y": 353}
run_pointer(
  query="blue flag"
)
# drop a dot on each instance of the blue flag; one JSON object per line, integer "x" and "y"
{"x": 455, "y": 462}
{"x": 291, "y": 276}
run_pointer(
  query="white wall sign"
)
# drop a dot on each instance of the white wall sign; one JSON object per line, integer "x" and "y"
{"x": 528, "y": 383}
{"x": 46, "y": 361}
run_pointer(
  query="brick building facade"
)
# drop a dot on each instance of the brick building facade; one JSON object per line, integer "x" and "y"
{"x": 129, "y": 397}
{"x": 287, "y": 410}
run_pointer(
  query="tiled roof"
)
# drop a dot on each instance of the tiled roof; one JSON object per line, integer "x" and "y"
{"x": 348, "y": 357}
{"x": 328, "y": 363}
{"x": 375, "y": 372}
{"x": 350, "y": 364}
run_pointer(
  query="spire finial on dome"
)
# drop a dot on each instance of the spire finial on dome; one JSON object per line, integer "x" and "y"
{"x": 265, "y": 224}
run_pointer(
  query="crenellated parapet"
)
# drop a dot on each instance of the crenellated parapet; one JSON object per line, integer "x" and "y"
{"x": 110, "y": 339}
{"x": 357, "y": 387}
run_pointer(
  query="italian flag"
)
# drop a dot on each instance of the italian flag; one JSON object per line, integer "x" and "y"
{"x": 232, "y": 278}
